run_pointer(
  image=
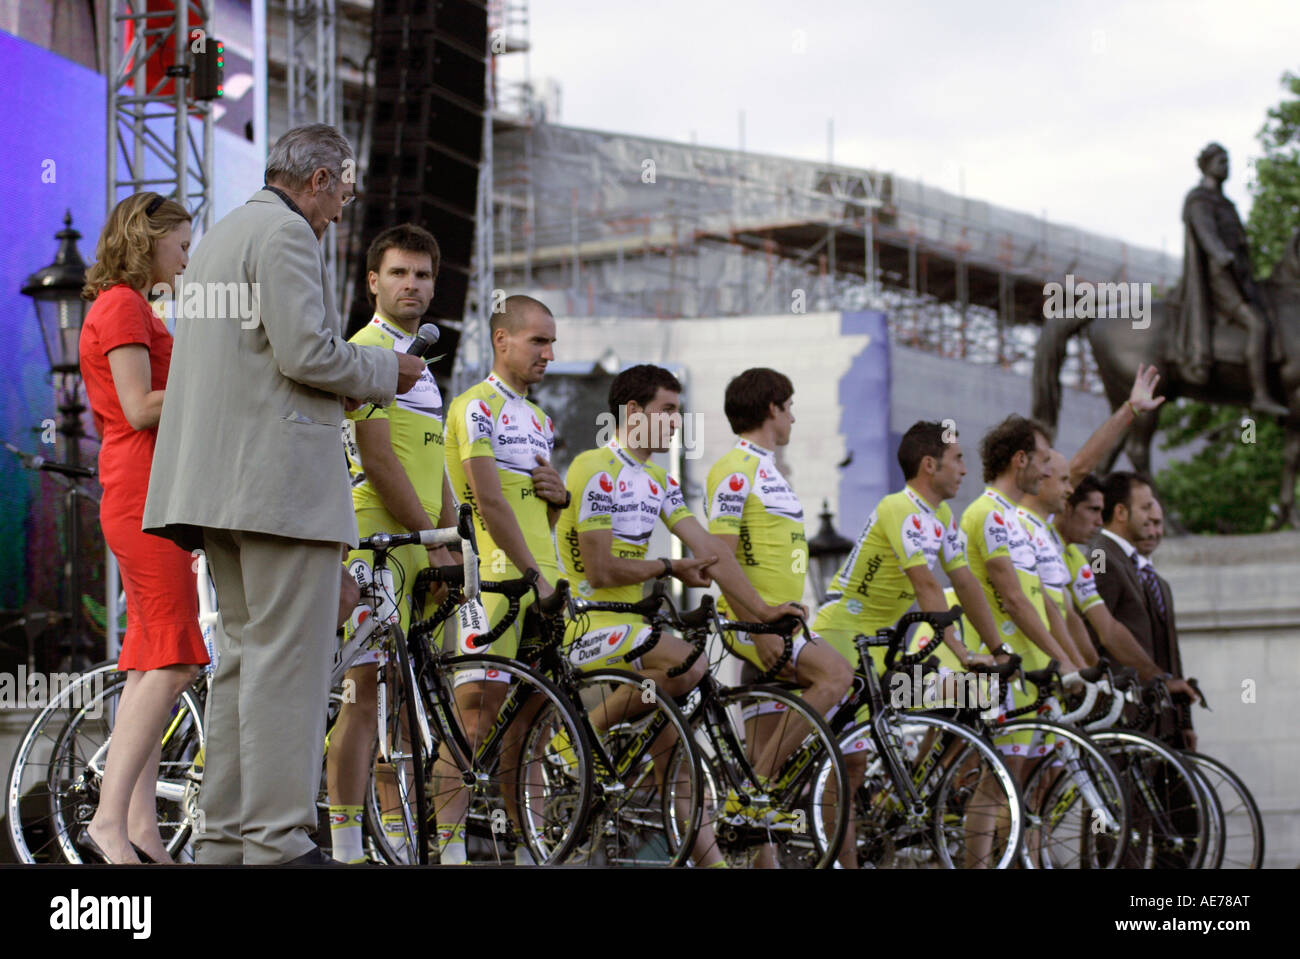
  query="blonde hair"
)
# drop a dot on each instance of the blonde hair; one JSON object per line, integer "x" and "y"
{"x": 124, "y": 253}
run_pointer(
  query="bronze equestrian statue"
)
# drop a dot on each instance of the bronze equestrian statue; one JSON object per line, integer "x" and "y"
{"x": 1210, "y": 340}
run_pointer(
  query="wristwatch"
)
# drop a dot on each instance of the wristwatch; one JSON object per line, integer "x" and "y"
{"x": 1004, "y": 650}
{"x": 568, "y": 498}
{"x": 668, "y": 568}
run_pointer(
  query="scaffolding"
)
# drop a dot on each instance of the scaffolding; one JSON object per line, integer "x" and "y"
{"x": 151, "y": 142}
{"x": 312, "y": 72}
{"x": 621, "y": 225}
{"x": 507, "y": 36}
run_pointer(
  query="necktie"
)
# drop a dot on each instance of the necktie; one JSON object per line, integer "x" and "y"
{"x": 1148, "y": 576}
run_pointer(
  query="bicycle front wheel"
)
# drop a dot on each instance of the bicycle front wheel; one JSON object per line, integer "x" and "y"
{"x": 970, "y": 814}
{"x": 1078, "y": 806}
{"x": 1169, "y": 819}
{"x": 34, "y": 834}
{"x": 648, "y": 786}
{"x": 397, "y": 808}
{"x": 1242, "y": 843}
{"x": 774, "y": 776}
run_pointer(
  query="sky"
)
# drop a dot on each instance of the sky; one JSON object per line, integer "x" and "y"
{"x": 1092, "y": 112}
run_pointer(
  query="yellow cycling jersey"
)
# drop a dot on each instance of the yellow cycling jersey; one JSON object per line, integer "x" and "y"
{"x": 1083, "y": 583}
{"x": 414, "y": 428}
{"x": 611, "y": 489}
{"x": 992, "y": 531}
{"x": 491, "y": 419}
{"x": 1048, "y": 550}
{"x": 871, "y": 590}
{"x": 749, "y": 498}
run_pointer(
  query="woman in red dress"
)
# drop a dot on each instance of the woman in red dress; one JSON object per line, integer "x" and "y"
{"x": 125, "y": 352}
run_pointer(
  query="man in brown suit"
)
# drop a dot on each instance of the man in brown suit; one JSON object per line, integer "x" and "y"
{"x": 1131, "y": 589}
{"x": 1129, "y": 506}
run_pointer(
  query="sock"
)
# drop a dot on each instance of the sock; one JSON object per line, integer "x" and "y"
{"x": 345, "y": 833}
{"x": 451, "y": 842}
{"x": 523, "y": 857}
{"x": 395, "y": 833}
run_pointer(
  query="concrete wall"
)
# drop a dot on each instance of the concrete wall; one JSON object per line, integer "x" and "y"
{"x": 1238, "y": 616}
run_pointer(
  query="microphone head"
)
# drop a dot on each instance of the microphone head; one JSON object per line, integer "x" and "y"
{"x": 428, "y": 333}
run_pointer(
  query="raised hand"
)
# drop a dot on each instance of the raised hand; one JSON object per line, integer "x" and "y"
{"x": 1142, "y": 397}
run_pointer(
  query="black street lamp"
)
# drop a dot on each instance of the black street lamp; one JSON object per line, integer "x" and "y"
{"x": 56, "y": 290}
{"x": 827, "y": 550}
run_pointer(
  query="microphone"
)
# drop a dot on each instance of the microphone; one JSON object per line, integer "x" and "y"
{"x": 425, "y": 337}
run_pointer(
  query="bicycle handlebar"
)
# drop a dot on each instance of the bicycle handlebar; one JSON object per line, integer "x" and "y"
{"x": 557, "y": 601}
{"x": 644, "y": 607}
{"x": 455, "y": 576}
{"x": 387, "y": 542}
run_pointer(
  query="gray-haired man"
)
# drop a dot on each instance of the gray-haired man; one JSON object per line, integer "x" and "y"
{"x": 248, "y": 466}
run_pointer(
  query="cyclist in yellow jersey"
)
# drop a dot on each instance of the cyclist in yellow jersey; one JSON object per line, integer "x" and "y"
{"x": 395, "y": 455}
{"x": 753, "y": 510}
{"x": 616, "y": 497}
{"x": 891, "y": 565}
{"x": 499, "y": 447}
{"x": 1002, "y": 559}
{"x": 1034, "y": 513}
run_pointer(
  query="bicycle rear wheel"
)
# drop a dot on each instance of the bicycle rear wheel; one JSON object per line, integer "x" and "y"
{"x": 29, "y": 825}
{"x": 397, "y": 806}
{"x": 1242, "y": 845}
{"x": 56, "y": 775}
{"x": 648, "y": 785}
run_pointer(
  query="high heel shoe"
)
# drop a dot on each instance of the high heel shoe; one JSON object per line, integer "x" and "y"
{"x": 90, "y": 850}
{"x": 146, "y": 858}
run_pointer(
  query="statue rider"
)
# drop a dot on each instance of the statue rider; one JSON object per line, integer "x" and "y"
{"x": 1217, "y": 278}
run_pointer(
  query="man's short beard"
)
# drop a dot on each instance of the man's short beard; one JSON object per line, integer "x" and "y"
{"x": 1020, "y": 481}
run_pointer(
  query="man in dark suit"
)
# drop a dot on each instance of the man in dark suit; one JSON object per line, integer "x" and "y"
{"x": 1175, "y": 729}
{"x": 1127, "y": 511}
{"x": 1129, "y": 503}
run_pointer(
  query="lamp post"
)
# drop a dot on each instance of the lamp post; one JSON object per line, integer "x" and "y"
{"x": 827, "y": 550}
{"x": 56, "y": 290}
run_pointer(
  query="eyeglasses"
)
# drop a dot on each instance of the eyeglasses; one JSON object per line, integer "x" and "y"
{"x": 349, "y": 199}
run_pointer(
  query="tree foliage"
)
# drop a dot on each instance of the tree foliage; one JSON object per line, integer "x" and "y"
{"x": 1230, "y": 484}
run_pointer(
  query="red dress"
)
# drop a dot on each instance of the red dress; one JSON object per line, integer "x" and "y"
{"x": 162, "y": 605}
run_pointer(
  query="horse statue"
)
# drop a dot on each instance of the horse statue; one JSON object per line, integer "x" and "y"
{"x": 1120, "y": 349}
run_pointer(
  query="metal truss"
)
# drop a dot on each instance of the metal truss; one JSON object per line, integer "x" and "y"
{"x": 151, "y": 142}
{"x": 311, "y": 56}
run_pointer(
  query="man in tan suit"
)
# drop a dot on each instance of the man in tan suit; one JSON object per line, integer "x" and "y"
{"x": 249, "y": 466}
